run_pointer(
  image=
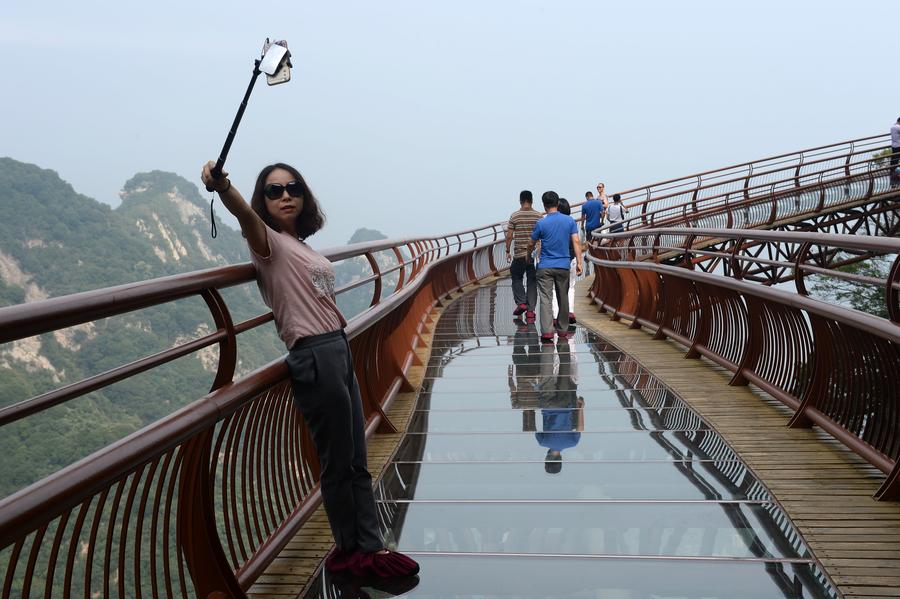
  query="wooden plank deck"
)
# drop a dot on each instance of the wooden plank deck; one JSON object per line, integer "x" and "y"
{"x": 824, "y": 488}
{"x": 290, "y": 573}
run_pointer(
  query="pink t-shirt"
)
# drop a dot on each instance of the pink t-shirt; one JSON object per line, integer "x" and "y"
{"x": 298, "y": 284}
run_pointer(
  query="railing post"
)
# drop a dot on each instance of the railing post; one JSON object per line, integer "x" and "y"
{"x": 197, "y": 535}
{"x": 821, "y": 205}
{"x": 228, "y": 346}
{"x": 892, "y": 294}
{"x": 797, "y": 171}
{"x": 753, "y": 347}
{"x": 376, "y": 293}
{"x": 821, "y": 365}
{"x": 747, "y": 181}
{"x": 402, "y": 272}
{"x": 799, "y": 281}
{"x": 849, "y": 158}
{"x": 774, "y": 213}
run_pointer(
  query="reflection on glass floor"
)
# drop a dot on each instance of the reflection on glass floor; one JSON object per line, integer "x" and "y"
{"x": 567, "y": 470}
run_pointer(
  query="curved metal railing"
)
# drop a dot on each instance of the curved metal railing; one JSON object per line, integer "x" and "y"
{"x": 835, "y": 367}
{"x": 204, "y": 499}
{"x": 737, "y": 186}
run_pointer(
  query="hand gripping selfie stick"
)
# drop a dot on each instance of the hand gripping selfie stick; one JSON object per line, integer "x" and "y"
{"x": 275, "y": 62}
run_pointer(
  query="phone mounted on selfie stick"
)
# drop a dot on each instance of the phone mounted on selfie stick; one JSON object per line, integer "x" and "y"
{"x": 275, "y": 62}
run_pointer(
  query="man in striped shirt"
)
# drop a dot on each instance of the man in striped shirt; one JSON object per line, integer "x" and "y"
{"x": 518, "y": 234}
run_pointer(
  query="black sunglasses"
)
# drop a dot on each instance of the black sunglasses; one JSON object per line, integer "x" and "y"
{"x": 274, "y": 191}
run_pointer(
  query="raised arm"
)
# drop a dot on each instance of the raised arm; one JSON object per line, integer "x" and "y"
{"x": 252, "y": 226}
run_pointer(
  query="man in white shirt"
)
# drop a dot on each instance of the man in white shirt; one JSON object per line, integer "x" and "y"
{"x": 615, "y": 214}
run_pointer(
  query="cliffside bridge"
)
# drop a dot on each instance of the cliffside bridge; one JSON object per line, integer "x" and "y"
{"x": 726, "y": 431}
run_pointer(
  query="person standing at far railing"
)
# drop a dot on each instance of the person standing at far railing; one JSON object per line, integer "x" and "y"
{"x": 298, "y": 284}
{"x": 601, "y": 195}
{"x": 518, "y": 232}
{"x": 554, "y": 232}
{"x": 616, "y": 214}
{"x": 895, "y": 152}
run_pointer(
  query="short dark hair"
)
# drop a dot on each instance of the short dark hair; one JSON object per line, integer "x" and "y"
{"x": 564, "y": 206}
{"x": 525, "y": 197}
{"x": 310, "y": 219}
{"x": 550, "y": 199}
{"x": 617, "y": 197}
{"x": 552, "y": 463}
{"x": 589, "y": 194}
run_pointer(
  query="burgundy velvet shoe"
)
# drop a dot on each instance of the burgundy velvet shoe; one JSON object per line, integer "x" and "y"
{"x": 520, "y": 309}
{"x": 339, "y": 561}
{"x": 389, "y": 564}
{"x": 529, "y": 316}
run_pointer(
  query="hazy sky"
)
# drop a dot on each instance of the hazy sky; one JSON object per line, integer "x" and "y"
{"x": 420, "y": 117}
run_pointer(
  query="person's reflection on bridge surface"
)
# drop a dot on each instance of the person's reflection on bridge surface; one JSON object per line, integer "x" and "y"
{"x": 562, "y": 411}
{"x": 524, "y": 373}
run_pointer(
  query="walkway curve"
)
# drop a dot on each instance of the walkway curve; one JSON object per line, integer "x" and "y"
{"x": 649, "y": 500}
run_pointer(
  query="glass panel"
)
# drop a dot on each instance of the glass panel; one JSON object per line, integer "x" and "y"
{"x": 501, "y": 383}
{"x": 627, "y": 529}
{"x": 557, "y": 425}
{"x": 613, "y": 578}
{"x": 630, "y": 446}
{"x": 558, "y": 479}
{"x": 593, "y": 398}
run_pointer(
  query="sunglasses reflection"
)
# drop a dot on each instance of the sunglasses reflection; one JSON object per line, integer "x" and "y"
{"x": 338, "y": 586}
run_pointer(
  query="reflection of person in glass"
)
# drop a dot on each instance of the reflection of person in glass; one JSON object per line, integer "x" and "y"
{"x": 562, "y": 411}
{"x": 524, "y": 373}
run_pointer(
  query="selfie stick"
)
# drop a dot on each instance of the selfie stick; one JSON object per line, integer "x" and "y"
{"x": 274, "y": 55}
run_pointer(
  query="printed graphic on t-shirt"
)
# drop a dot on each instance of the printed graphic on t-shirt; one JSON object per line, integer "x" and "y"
{"x": 322, "y": 278}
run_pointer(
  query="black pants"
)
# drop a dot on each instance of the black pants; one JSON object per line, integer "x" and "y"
{"x": 327, "y": 394}
{"x": 522, "y": 294}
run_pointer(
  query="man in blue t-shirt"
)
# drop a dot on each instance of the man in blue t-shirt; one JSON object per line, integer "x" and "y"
{"x": 554, "y": 231}
{"x": 592, "y": 209}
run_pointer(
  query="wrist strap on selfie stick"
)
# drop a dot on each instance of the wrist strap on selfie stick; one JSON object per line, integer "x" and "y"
{"x": 217, "y": 169}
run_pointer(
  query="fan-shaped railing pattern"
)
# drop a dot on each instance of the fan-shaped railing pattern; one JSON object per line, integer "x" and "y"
{"x": 834, "y": 366}
{"x": 204, "y": 499}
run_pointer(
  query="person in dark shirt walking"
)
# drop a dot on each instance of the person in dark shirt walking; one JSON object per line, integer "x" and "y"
{"x": 518, "y": 232}
{"x": 592, "y": 210}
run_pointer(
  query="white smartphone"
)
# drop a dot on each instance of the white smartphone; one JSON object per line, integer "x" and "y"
{"x": 282, "y": 75}
{"x": 276, "y": 62}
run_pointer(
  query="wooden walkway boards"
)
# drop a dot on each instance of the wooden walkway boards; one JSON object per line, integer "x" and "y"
{"x": 824, "y": 488}
{"x": 298, "y": 562}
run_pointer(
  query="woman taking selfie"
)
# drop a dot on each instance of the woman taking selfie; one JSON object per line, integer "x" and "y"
{"x": 297, "y": 283}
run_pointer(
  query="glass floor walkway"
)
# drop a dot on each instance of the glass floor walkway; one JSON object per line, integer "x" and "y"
{"x": 567, "y": 470}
